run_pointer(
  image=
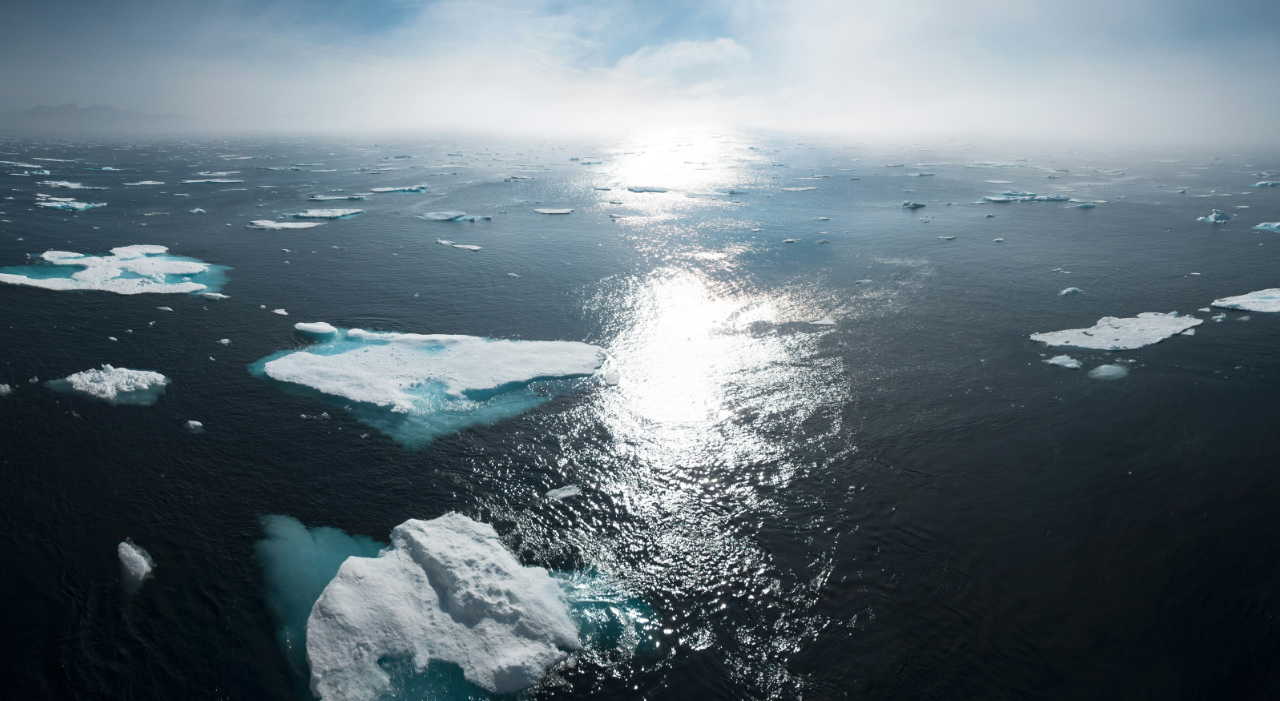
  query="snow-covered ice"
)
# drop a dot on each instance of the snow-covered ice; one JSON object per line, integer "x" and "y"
{"x": 317, "y": 328}
{"x": 115, "y": 385}
{"x": 276, "y": 225}
{"x": 1109, "y": 372}
{"x": 197, "y": 210}
{"x": 149, "y": 269}
{"x": 1217, "y": 216}
{"x": 1260, "y": 301}
{"x": 281, "y": 312}
{"x": 194, "y": 426}
{"x": 1065, "y": 361}
{"x": 65, "y": 203}
{"x": 1111, "y": 333}
{"x": 446, "y": 590}
{"x": 135, "y": 563}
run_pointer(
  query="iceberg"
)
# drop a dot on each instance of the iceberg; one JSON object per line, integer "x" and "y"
{"x": 1018, "y": 196}
{"x": 327, "y": 198}
{"x": 317, "y": 328}
{"x": 466, "y": 246}
{"x": 406, "y": 188}
{"x": 146, "y": 182}
{"x": 416, "y": 388}
{"x": 1065, "y": 361}
{"x": 1260, "y": 301}
{"x": 1069, "y": 291}
{"x": 276, "y": 225}
{"x": 128, "y": 270}
{"x": 554, "y": 211}
{"x": 442, "y": 216}
{"x": 561, "y": 493}
{"x": 195, "y": 426}
{"x": 912, "y": 205}
{"x": 647, "y": 189}
{"x": 281, "y": 312}
{"x": 209, "y": 174}
{"x": 135, "y": 563}
{"x": 67, "y": 185}
{"x": 1217, "y": 216}
{"x": 798, "y": 189}
{"x": 326, "y": 213}
{"x": 115, "y": 385}
{"x": 1108, "y": 372}
{"x": 197, "y": 210}
{"x": 5, "y": 390}
{"x": 65, "y": 203}
{"x": 1269, "y": 226}
{"x": 1111, "y": 333}
{"x": 1267, "y": 183}
{"x": 446, "y": 590}
{"x": 210, "y": 180}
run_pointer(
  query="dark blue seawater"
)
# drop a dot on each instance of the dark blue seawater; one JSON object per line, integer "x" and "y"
{"x": 908, "y": 504}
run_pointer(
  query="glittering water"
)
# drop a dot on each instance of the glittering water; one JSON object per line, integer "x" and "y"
{"x": 907, "y": 503}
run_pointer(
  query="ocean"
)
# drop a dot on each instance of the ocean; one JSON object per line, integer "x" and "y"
{"x": 903, "y": 501}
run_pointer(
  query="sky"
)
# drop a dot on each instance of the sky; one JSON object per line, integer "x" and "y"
{"x": 1139, "y": 70}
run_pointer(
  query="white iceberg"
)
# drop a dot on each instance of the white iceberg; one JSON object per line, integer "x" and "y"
{"x": 146, "y": 182}
{"x": 647, "y": 189}
{"x": 912, "y": 205}
{"x": 326, "y": 213}
{"x": 468, "y": 247}
{"x": 1260, "y": 301}
{"x": 197, "y": 210}
{"x": 277, "y": 225}
{"x": 210, "y": 180}
{"x": 1217, "y": 216}
{"x": 1267, "y": 183}
{"x": 446, "y": 590}
{"x": 417, "y": 387}
{"x": 281, "y": 312}
{"x": 5, "y": 390}
{"x": 1109, "y": 372}
{"x": 554, "y": 211}
{"x": 563, "y": 493}
{"x": 115, "y": 385}
{"x": 195, "y": 427}
{"x": 1065, "y": 361}
{"x": 317, "y": 328}
{"x": 1069, "y": 291}
{"x": 148, "y": 269}
{"x": 135, "y": 562}
{"x": 1269, "y": 226}
{"x": 406, "y": 188}
{"x": 1111, "y": 333}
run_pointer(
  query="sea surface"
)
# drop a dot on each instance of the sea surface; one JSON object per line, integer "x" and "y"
{"x": 905, "y": 504}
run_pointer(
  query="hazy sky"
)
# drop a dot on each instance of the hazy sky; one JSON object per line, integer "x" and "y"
{"x": 1170, "y": 70}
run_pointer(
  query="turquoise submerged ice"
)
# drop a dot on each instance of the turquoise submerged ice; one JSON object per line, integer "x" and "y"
{"x": 128, "y": 270}
{"x": 416, "y": 388}
{"x": 445, "y": 613}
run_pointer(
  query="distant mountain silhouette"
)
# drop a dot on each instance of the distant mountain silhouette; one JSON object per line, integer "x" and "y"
{"x": 98, "y": 119}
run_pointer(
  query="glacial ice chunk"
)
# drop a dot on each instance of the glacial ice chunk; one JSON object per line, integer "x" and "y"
{"x": 269, "y": 225}
{"x": 446, "y": 590}
{"x": 326, "y": 213}
{"x": 281, "y": 312}
{"x": 5, "y": 390}
{"x": 65, "y": 203}
{"x": 1269, "y": 226}
{"x": 195, "y": 427}
{"x": 135, "y": 563}
{"x": 466, "y": 246}
{"x": 912, "y": 205}
{"x": 561, "y": 493}
{"x": 1111, "y": 333}
{"x": 1217, "y": 216}
{"x": 197, "y": 210}
{"x": 1260, "y": 301}
{"x": 1065, "y": 361}
{"x": 442, "y": 216}
{"x": 115, "y": 385}
{"x": 1109, "y": 372}
{"x": 553, "y": 211}
{"x": 315, "y": 328}
{"x": 1086, "y": 205}
{"x": 128, "y": 270}
{"x": 417, "y": 387}
{"x": 1069, "y": 291}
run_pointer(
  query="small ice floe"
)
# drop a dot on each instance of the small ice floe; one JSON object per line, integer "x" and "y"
{"x": 195, "y": 426}
{"x": 326, "y": 213}
{"x": 862, "y": 282}
{"x": 1086, "y": 205}
{"x": 315, "y": 328}
{"x": 146, "y": 182}
{"x": 444, "y": 242}
{"x": 1108, "y": 372}
{"x": 219, "y": 174}
{"x": 562, "y": 493}
{"x": 135, "y": 563}
{"x": 822, "y": 219}
{"x": 822, "y": 241}
{"x": 513, "y": 275}
{"x": 947, "y": 238}
{"x": 912, "y": 205}
{"x": 197, "y": 210}
{"x": 1267, "y": 183}
{"x": 824, "y": 321}
{"x": 1189, "y": 332}
{"x": 466, "y": 246}
{"x": 553, "y": 211}
{"x": 446, "y": 591}
{"x": 327, "y": 198}
{"x": 115, "y": 385}
{"x": 225, "y": 341}
{"x": 1219, "y": 317}
{"x": 65, "y": 203}
{"x": 798, "y": 189}
{"x": 442, "y": 216}
{"x": 1246, "y": 317}
{"x": 67, "y": 185}
{"x": 1065, "y": 361}
{"x": 5, "y": 390}
{"x": 611, "y": 377}
{"x": 1112, "y": 333}
{"x": 1260, "y": 301}
{"x": 210, "y": 180}
{"x": 1269, "y": 226}
{"x": 921, "y": 175}
{"x": 647, "y": 189}
{"x": 406, "y": 188}
{"x": 104, "y": 168}
{"x": 150, "y": 268}
{"x": 791, "y": 240}
{"x": 209, "y": 295}
{"x": 281, "y": 312}
{"x": 269, "y": 225}
{"x": 1217, "y": 216}
{"x": 1069, "y": 291}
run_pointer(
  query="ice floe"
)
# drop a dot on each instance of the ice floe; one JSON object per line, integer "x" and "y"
{"x": 281, "y": 312}
{"x": 326, "y": 213}
{"x": 115, "y": 385}
{"x": 563, "y": 492}
{"x": 824, "y": 321}
{"x": 1065, "y": 361}
{"x": 67, "y": 185}
{"x": 1109, "y": 372}
{"x": 647, "y": 189}
{"x": 146, "y": 182}
{"x": 1112, "y": 333}
{"x": 1260, "y": 301}
{"x": 197, "y": 210}
{"x": 1069, "y": 291}
{"x": 442, "y": 216}
{"x": 327, "y": 198}
{"x": 1269, "y": 226}
{"x": 316, "y": 328}
{"x": 417, "y": 387}
{"x": 274, "y": 225}
{"x": 406, "y": 188}
{"x": 912, "y": 205}
{"x": 194, "y": 426}
{"x": 1267, "y": 183}
{"x": 1019, "y": 196}
{"x": 446, "y": 590}
{"x": 1217, "y": 216}
{"x": 798, "y": 189}
{"x": 65, "y": 203}
{"x": 128, "y": 270}
{"x": 135, "y": 564}
{"x": 210, "y": 180}
{"x": 1086, "y": 205}
{"x": 554, "y": 211}
{"x": 5, "y": 390}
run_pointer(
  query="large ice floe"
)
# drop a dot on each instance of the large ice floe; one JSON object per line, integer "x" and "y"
{"x": 65, "y": 203}
{"x": 128, "y": 270}
{"x": 417, "y": 387}
{"x": 1111, "y": 333}
{"x": 135, "y": 564}
{"x": 115, "y": 385}
{"x": 1260, "y": 301}
{"x": 326, "y": 213}
{"x": 444, "y": 612}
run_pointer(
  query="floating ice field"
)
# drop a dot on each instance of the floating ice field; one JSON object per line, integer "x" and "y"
{"x": 128, "y": 270}
{"x": 1260, "y": 301}
{"x": 1112, "y": 333}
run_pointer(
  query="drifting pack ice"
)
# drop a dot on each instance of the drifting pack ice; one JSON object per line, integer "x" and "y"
{"x": 417, "y": 387}
{"x": 1111, "y": 333}
{"x": 115, "y": 385}
{"x": 446, "y": 590}
{"x": 149, "y": 269}
{"x": 1260, "y": 301}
